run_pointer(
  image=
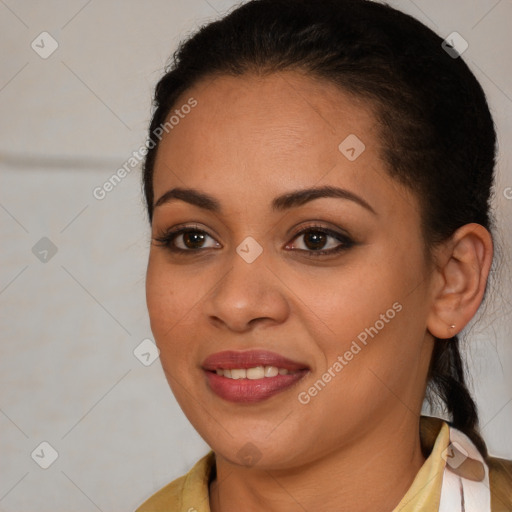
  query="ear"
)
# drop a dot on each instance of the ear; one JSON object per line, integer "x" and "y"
{"x": 462, "y": 267}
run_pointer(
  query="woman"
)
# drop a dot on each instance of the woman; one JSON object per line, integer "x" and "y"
{"x": 317, "y": 183}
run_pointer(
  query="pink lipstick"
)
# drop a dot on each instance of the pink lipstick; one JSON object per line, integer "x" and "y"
{"x": 252, "y": 375}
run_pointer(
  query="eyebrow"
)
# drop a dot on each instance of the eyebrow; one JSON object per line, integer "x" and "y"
{"x": 281, "y": 203}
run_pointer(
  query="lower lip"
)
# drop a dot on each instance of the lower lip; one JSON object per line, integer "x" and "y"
{"x": 248, "y": 390}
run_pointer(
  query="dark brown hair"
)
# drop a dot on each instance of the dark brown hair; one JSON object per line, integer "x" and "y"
{"x": 438, "y": 136}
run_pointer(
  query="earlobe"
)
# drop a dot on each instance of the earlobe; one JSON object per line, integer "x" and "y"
{"x": 462, "y": 271}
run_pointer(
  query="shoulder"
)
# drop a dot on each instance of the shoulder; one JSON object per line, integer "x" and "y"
{"x": 167, "y": 497}
{"x": 188, "y": 492}
{"x": 500, "y": 480}
{"x": 500, "y": 470}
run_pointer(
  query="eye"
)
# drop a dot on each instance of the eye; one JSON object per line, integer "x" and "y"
{"x": 191, "y": 239}
{"x": 184, "y": 239}
{"x": 315, "y": 241}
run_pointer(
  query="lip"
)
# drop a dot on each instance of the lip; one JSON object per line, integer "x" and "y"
{"x": 247, "y": 390}
{"x": 230, "y": 359}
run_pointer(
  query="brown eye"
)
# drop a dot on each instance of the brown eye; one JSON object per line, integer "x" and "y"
{"x": 193, "y": 239}
{"x": 316, "y": 241}
{"x": 183, "y": 240}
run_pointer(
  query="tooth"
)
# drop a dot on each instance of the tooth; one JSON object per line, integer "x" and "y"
{"x": 271, "y": 371}
{"x": 256, "y": 373}
{"x": 238, "y": 373}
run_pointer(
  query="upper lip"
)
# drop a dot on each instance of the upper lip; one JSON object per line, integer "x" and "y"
{"x": 230, "y": 359}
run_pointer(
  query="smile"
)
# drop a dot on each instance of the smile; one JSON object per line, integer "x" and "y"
{"x": 251, "y": 376}
{"x": 254, "y": 373}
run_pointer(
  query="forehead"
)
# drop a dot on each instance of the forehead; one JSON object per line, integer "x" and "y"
{"x": 254, "y": 135}
{"x": 285, "y": 111}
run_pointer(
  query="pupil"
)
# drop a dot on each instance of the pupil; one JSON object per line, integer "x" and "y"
{"x": 317, "y": 238}
{"x": 191, "y": 235}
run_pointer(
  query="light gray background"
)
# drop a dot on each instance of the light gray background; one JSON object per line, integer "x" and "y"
{"x": 70, "y": 325}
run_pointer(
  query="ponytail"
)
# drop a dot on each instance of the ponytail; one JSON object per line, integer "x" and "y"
{"x": 447, "y": 381}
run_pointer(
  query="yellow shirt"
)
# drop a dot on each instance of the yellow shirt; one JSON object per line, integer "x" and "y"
{"x": 190, "y": 493}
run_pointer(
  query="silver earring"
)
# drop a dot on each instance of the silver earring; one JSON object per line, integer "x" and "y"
{"x": 452, "y": 326}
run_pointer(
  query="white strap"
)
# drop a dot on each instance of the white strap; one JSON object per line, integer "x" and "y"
{"x": 459, "y": 493}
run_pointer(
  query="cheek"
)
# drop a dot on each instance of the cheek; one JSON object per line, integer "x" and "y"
{"x": 345, "y": 300}
{"x": 376, "y": 327}
{"x": 167, "y": 307}
{"x": 170, "y": 292}
{"x": 168, "y": 300}
{"x": 174, "y": 297}
{"x": 369, "y": 312}
{"x": 159, "y": 297}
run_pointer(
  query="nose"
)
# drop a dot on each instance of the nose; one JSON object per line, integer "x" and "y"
{"x": 248, "y": 294}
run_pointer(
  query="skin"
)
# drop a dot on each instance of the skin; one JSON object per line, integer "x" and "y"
{"x": 248, "y": 140}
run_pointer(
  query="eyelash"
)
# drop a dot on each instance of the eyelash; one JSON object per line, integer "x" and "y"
{"x": 166, "y": 239}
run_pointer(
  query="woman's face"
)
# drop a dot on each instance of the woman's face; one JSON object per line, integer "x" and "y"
{"x": 349, "y": 325}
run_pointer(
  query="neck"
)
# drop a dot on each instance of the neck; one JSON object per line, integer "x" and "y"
{"x": 354, "y": 478}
